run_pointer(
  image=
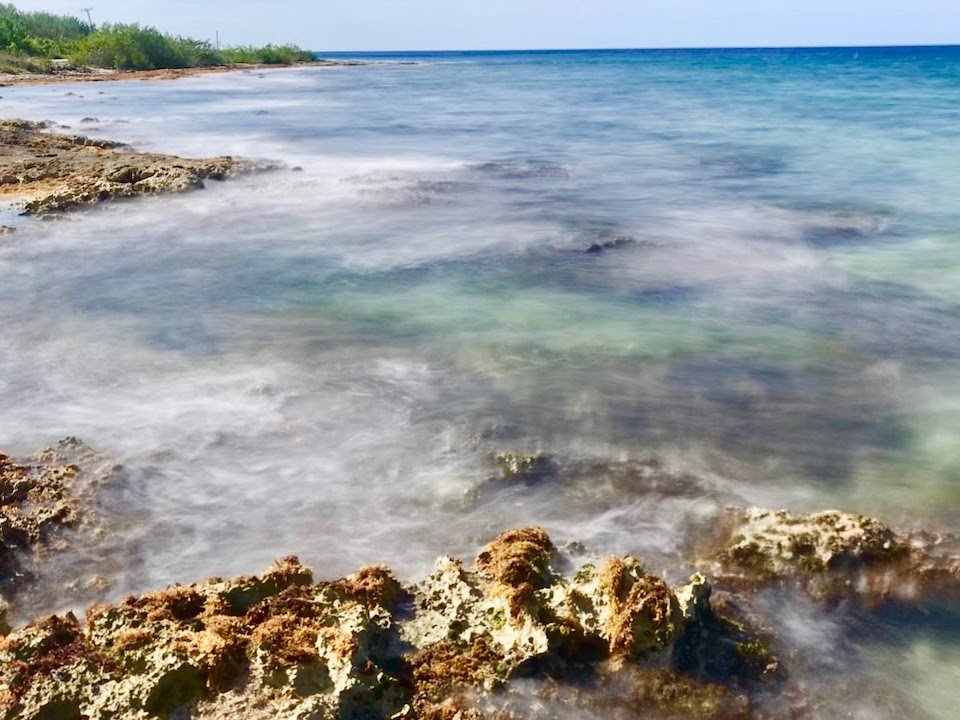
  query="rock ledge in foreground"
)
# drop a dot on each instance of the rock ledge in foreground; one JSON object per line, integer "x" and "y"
{"x": 282, "y": 646}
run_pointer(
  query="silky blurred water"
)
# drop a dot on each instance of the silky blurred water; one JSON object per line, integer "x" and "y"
{"x": 741, "y": 264}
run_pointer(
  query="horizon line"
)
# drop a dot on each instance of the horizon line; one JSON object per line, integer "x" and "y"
{"x": 653, "y": 49}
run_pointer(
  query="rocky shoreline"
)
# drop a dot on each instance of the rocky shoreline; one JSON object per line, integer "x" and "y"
{"x": 44, "y": 173}
{"x": 107, "y": 74}
{"x": 460, "y": 643}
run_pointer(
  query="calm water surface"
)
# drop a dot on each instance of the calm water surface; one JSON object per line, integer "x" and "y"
{"x": 742, "y": 264}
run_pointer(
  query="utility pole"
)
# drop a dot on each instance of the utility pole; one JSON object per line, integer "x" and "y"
{"x": 89, "y": 18}
{"x": 218, "y": 41}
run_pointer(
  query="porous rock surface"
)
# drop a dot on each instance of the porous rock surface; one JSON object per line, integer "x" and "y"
{"x": 44, "y": 173}
{"x": 837, "y": 555}
{"x": 282, "y": 646}
{"x": 40, "y": 497}
{"x": 456, "y": 646}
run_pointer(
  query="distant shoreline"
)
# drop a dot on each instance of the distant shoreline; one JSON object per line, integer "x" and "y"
{"x": 106, "y": 74}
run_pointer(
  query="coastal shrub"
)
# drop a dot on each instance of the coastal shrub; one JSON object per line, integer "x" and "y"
{"x": 198, "y": 53}
{"x": 12, "y": 34}
{"x": 267, "y": 55}
{"x": 132, "y": 47}
{"x": 19, "y": 63}
{"x": 42, "y": 35}
{"x": 39, "y": 33}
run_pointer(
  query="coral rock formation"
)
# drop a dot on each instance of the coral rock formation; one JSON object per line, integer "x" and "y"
{"x": 280, "y": 646}
{"x": 456, "y": 645}
{"x": 39, "y": 498}
{"x": 46, "y": 173}
{"x": 835, "y": 555}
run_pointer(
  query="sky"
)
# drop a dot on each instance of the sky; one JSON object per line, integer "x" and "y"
{"x": 340, "y": 25}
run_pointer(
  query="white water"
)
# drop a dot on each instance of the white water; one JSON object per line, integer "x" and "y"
{"x": 325, "y": 362}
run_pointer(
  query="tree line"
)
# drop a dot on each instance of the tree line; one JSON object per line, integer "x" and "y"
{"x": 31, "y": 40}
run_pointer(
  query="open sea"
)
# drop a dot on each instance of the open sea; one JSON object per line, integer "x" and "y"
{"x": 743, "y": 265}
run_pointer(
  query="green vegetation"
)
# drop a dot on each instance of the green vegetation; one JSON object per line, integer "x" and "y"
{"x": 39, "y": 34}
{"x": 131, "y": 47}
{"x": 267, "y": 55}
{"x": 30, "y": 40}
{"x": 18, "y": 63}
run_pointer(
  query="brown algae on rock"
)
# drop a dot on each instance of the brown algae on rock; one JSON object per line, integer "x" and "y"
{"x": 457, "y": 644}
{"x": 514, "y": 615}
{"x": 280, "y": 645}
{"x": 636, "y": 612}
{"x": 307, "y": 649}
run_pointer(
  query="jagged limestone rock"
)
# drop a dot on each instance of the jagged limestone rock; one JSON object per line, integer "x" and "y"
{"x": 631, "y": 610}
{"x": 835, "y": 555}
{"x": 514, "y": 612}
{"x": 524, "y": 467}
{"x": 281, "y": 646}
{"x": 49, "y": 173}
{"x": 306, "y": 650}
{"x": 517, "y": 603}
{"x": 41, "y": 497}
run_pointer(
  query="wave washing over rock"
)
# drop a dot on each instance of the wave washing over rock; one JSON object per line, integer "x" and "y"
{"x": 455, "y": 645}
{"x": 48, "y": 173}
{"x": 279, "y": 645}
{"x": 46, "y": 501}
{"x": 632, "y": 318}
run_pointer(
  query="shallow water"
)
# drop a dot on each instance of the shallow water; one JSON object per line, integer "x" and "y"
{"x": 743, "y": 264}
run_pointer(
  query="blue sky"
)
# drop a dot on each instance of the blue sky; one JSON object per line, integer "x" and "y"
{"x": 507, "y": 24}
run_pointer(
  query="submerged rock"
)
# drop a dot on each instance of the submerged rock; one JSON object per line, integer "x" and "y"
{"x": 48, "y": 173}
{"x": 515, "y": 466}
{"x": 836, "y": 555}
{"x": 610, "y": 243}
{"x": 282, "y": 646}
{"x": 40, "y": 497}
{"x": 666, "y": 693}
{"x": 515, "y": 470}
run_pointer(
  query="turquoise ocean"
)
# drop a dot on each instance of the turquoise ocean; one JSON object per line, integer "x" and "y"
{"x": 693, "y": 279}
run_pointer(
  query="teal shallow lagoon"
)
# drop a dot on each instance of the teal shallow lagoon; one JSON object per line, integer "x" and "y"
{"x": 741, "y": 263}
